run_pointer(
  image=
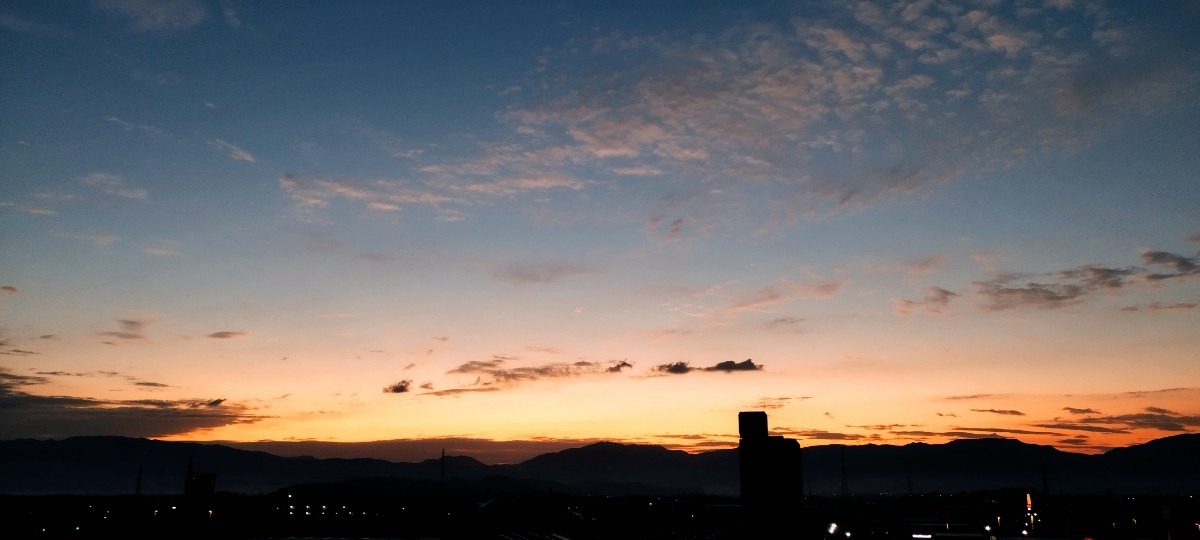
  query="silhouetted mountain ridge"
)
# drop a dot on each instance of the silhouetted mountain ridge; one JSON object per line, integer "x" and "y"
{"x": 112, "y": 465}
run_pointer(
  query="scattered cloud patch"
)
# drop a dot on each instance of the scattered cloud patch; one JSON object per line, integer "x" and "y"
{"x": 114, "y": 185}
{"x": 549, "y": 272}
{"x": 727, "y": 366}
{"x": 236, "y": 152}
{"x": 783, "y": 322}
{"x": 1007, "y": 412}
{"x": 155, "y": 15}
{"x": 973, "y": 396}
{"x": 676, "y": 368}
{"x": 98, "y": 240}
{"x": 936, "y": 302}
{"x": 227, "y": 334}
{"x": 498, "y": 373}
{"x": 927, "y": 265}
{"x": 1150, "y": 418}
{"x": 150, "y": 384}
{"x": 1179, "y": 265}
{"x": 778, "y": 402}
{"x": 37, "y": 210}
{"x": 26, "y": 415}
{"x": 129, "y": 330}
{"x": 730, "y": 365}
{"x": 132, "y": 127}
{"x": 1010, "y": 431}
{"x": 398, "y": 388}
{"x": 1084, "y": 410}
{"x": 11, "y": 22}
{"x": 1006, "y": 292}
{"x": 1159, "y": 306}
{"x": 1011, "y": 291}
{"x": 1081, "y": 427}
{"x": 619, "y": 366}
{"x": 310, "y": 196}
{"x": 823, "y": 435}
{"x": 465, "y": 390}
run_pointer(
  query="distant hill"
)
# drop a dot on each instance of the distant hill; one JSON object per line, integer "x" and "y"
{"x": 113, "y": 465}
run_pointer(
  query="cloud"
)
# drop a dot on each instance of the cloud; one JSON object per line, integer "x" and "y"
{"x": 37, "y": 210}
{"x": 727, "y": 366}
{"x": 973, "y": 396}
{"x": 398, "y": 388}
{"x": 1074, "y": 410}
{"x": 822, "y": 435}
{"x": 156, "y": 15}
{"x": 227, "y": 334}
{"x": 26, "y": 415}
{"x": 98, "y": 240}
{"x": 935, "y": 302}
{"x": 677, "y": 368}
{"x": 730, "y": 365}
{"x": 114, "y": 185}
{"x": 616, "y": 368}
{"x": 231, "y": 16}
{"x": 791, "y": 106}
{"x": 10, "y": 381}
{"x": 311, "y": 195}
{"x": 1008, "y": 412}
{"x": 17, "y": 352}
{"x": 1180, "y": 265}
{"x": 1011, "y": 431}
{"x": 1151, "y": 418}
{"x": 236, "y": 152}
{"x": 460, "y": 391}
{"x": 129, "y": 330}
{"x": 1159, "y": 306}
{"x": 549, "y": 272}
{"x": 1072, "y": 286}
{"x": 925, "y": 266}
{"x": 495, "y": 373}
{"x": 783, "y": 322}
{"x": 730, "y": 303}
{"x": 883, "y": 427}
{"x": 150, "y": 384}
{"x": 1144, "y": 393}
{"x": 778, "y": 402}
{"x": 132, "y": 127}
{"x": 8, "y": 289}
{"x": 160, "y": 252}
{"x": 1081, "y": 427}
{"x": 8, "y": 21}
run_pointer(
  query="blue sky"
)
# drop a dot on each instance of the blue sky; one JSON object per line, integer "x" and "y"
{"x": 917, "y": 219}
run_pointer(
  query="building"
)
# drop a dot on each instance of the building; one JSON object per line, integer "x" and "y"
{"x": 770, "y": 466}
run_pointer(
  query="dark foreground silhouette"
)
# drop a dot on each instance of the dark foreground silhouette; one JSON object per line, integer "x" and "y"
{"x": 985, "y": 489}
{"x": 377, "y": 510}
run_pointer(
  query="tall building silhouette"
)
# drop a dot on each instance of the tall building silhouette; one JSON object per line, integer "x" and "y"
{"x": 771, "y": 472}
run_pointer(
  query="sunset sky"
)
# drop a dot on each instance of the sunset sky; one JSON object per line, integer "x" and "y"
{"x": 558, "y": 222}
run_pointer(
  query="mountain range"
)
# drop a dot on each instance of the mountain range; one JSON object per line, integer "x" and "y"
{"x": 119, "y": 465}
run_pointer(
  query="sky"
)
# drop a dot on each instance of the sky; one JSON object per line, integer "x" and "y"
{"x": 525, "y": 225}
